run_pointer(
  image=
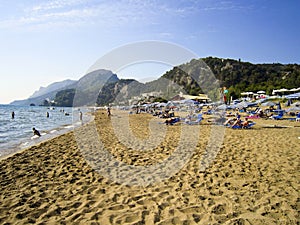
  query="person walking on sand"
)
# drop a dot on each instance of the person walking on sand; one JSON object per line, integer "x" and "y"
{"x": 108, "y": 111}
{"x": 13, "y": 115}
{"x": 36, "y": 132}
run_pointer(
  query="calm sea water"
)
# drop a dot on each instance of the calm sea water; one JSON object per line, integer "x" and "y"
{"x": 16, "y": 134}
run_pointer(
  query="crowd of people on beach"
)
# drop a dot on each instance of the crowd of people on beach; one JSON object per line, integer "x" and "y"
{"x": 229, "y": 118}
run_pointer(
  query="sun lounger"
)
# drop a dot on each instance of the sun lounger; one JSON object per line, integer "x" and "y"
{"x": 243, "y": 127}
{"x": 199, "y": 119}
{"x": 251, "y": 124}
{"x": 277, "y": 117}
{"x": 297, "y": 118}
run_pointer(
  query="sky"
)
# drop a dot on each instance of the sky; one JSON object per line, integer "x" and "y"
{"x": 45, "y": 41}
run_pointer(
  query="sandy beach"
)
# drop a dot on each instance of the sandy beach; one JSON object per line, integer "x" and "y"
{"x": 253, "y": 178}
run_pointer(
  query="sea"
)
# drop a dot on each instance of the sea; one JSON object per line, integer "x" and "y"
{"x": 16, "y": 133}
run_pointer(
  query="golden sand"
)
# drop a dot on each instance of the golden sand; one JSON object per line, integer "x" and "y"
{"x": 254, "y": 179}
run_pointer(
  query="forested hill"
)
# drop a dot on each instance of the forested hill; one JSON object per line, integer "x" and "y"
{"x": 241, "y": 76}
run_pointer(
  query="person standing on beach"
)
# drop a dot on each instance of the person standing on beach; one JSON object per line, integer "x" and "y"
{"x": 108, "y": 111}
{"x": 13, "y": 115}
{"x": 80, "y": 116}
{"x": 225, "y": 96}
{"x": 36, "y": 132}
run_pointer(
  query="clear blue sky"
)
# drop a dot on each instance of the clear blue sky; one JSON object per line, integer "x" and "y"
{"x": 46, "y": 41}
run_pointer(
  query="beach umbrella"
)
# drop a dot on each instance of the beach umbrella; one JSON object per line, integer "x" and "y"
{"x": 247, "y": 93}
{"x": 268, "y": 104}
{"x": 162, "y": 104}
{"x": 259, "y": 101}
{"x": 133, "y": 106}
{"x": 245, "y": 104}
{"x": 293, "y": 96}
{"x": 293, "y": 109}
{"x": 224, "y": 107}
{"x": 187, "y": 101}
{"x": 170, "y": 103}
{"x": 242, "y": 105}
{"x": 283, "y": 90}
{"x": 294, "y": 89}
{"x": 296, "y": 104}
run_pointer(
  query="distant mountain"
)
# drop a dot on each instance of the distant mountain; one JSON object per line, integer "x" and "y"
{"x": 49, "y": 92}
{"x": 35, "y": 101}
{"x": 87, "y": 89}
{"x": 53, "y": 87}
{"x": 197, "y": 76}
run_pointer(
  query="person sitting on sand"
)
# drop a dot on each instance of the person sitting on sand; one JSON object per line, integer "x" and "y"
{"x": 188, "y": 119}
{"x": 245, "y": 123}
{"x": 170, "y": 121}
{"x": 36, "y": 132}
{"x": 165, "y": 115}
{"x": 229, "y": 121}
{"x": 237, "y": 122}
{"x": 298, "y": 117}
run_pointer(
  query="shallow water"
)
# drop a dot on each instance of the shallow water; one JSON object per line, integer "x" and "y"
{"x": 16, "y": 133}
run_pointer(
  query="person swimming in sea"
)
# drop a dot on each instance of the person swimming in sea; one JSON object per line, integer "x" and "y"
{"x": 36, "y": 132}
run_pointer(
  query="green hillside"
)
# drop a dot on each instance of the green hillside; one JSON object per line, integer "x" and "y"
{"x": 244, "y": 76}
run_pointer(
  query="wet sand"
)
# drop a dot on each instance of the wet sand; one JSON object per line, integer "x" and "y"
{"x": 252, "y": 179}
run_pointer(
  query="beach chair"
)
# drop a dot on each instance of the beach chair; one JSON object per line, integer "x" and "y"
{"x": 297, "y": 118}
{"x": 245, "y": 127}
{"x": 171, "y": 121}
{"x": 197, "y": 121}
{"x": 176, "y": 120}
{"x": 277, "y": 117}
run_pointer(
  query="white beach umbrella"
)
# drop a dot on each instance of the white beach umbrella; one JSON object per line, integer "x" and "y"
{"x": 293, "y": 109}
{"x": 224, "y": 107}
{"x": 268, "y": 104}
{"x": 245, "y": 104}
{"x": 293, "y": 96}
{"x": 296, "y": 104}
{"x": 293, "y": 89}
{"x": 261, "y": 92}
{"x": 283, "y": 90}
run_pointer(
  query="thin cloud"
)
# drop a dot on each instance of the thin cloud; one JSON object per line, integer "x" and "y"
{"x": 56, "y": 4}
{"x": 110, "y": 13}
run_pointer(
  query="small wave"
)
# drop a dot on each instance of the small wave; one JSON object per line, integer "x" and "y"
{"x": 69, "y": 126}
{"x": 34, "y": 137}
{"x": 24, "y": 144}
